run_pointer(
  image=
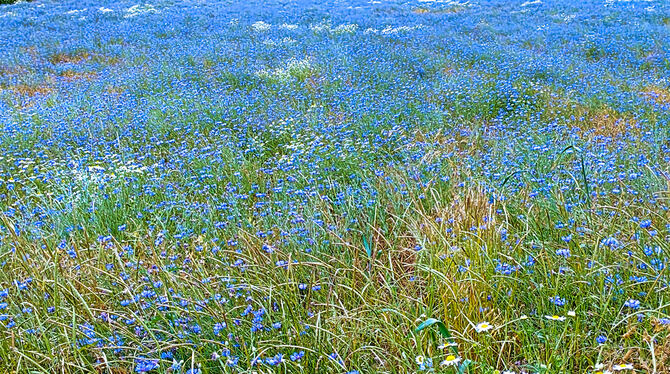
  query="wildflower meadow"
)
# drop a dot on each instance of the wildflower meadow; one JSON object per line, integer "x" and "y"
{"x": 360, "y": 186}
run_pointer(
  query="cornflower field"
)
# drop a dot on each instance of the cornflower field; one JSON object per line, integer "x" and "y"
{"x": 302, "y": 186}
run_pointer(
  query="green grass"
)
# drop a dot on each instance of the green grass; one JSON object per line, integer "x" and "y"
{"x": 379, "y": 288}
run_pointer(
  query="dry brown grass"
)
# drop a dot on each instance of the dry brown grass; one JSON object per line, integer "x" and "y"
{"x": 12, "y": 71}
{"x": 115, "y": 91}
{"x": 474, "y": 205}
{"x": 29, "y": 89}
{"x": 71, "y": 76}
{"x": 458, "y": 211}
{"x": 656, "y": 361}
{"x": 592, "y": 120}
{"x": 69, "y": 58}
{"x": 105, "y": 59}
{"x": 603, "y": 122}
{"x": 448, "y": 70}
{"x": 452, "y": 10}
{"x": 31, "y": 51}
{"x": 658, "y": 95}
{"x": 610, "y": 123}
{"x": 421, "y": 11}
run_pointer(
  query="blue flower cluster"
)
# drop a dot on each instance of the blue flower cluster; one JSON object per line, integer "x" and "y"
{"x": 192, "y": 185}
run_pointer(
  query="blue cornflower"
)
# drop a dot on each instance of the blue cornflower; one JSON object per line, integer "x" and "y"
{"x": 335, "y": 357}
{"x": 143, "y": 365}
{"x": 563, "y": 252}
{"x": 218, "y": 327}
{"x": 632, "y": 303}
{"x": 276, "y": 360}
{"x": 296, "y": 356}
{"x": 611, "y": 242}
{"x": 558, "y": 301}
{"x": 167, "y": 355}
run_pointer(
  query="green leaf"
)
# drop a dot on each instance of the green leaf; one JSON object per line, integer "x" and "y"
{"x": 463, "y": 367}
{"x": 368, "y": 248}
{"x": 441, "y": 326}
{"x": 444, "y": 331}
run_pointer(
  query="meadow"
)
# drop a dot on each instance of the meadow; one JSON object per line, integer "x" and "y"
{"x": 294, "y": 186}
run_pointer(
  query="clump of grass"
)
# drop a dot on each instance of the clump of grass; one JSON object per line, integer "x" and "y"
{"x": 658, "y": 95}
{"x": 453, "y": 9}
{"x": 69, "y": 58}
{"x": 73, "y": 76}
{"x": 25, "y": 89}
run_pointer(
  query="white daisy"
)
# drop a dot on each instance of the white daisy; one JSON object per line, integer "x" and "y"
{"x": 555, "y": 318}
{"x": 483, "y": 326}
{"x": 451, "y": 360}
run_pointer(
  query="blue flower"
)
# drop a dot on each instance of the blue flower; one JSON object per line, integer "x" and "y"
{"x": 558, "y": 301}
{"x": 563, "y": 252}
{"x": 632, "y": 303}
{"x": 296, "y": 356}
{"x": 143, "y": 365}
{"x": 611, "y": 242}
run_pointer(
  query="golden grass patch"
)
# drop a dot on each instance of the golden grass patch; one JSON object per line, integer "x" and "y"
{"x": 597, "y": 121}
{"x": 609, "y": 123}
{"x": 29, "y": 89}
{"x": 448, "y": 70}
{"x": 105, "y": 60}
{"x": 658, "y": 95}
{"x": 69, "y": 58}
{"x": 452, "y": 10}
{"x": 71, "y": 76}
{"x": 12, "y": 71}
{"x": 115, "y": 90}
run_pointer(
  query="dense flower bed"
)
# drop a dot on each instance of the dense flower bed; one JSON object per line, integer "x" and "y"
{"x": 326, "y": 186}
